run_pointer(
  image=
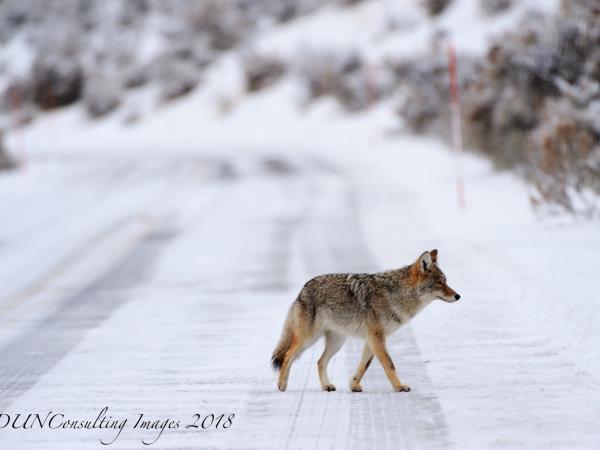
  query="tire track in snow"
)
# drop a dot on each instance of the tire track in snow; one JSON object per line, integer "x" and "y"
{"x": 65, "y": 264}
{"x": 25, "y": 359}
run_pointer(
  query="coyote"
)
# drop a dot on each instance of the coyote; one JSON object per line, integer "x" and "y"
{"x": 371, "y": 306}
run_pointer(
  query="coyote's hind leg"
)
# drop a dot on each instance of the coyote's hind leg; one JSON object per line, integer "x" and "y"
{"x": 290, "y": 355}
{"x": 333, "y": 344}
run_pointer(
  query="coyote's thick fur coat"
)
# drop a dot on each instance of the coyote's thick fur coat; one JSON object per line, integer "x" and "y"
{"x": 371, "y": 306}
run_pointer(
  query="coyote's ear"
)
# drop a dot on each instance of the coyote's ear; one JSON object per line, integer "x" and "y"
{"x": 434, "y": 255}
{"x": 425, "y": 262}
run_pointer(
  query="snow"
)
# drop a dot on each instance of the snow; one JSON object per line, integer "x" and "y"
{"x": 17, "y": 56}
{"x": 190, "y": 232}
{"x": 16, "y": 59}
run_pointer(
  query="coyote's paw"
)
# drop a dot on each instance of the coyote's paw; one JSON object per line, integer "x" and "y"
{"x": 355, "y": 387}
{"x": 402, "y": 388}
{"x": 282, "y": 386}
{"x": 329, "y": 387}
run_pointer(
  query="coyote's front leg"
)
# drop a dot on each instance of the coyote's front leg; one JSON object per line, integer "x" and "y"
{"x": 363, "y": 365}
{"x": 376, "y": 341}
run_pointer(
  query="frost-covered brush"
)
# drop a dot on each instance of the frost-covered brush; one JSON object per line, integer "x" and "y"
{"x": 369, "y": 306}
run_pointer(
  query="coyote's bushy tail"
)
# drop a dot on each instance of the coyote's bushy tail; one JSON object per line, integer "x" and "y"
{"x": 285, "y": 342}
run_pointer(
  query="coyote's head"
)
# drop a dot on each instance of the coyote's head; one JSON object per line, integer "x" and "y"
{"x": 430, "y": 280}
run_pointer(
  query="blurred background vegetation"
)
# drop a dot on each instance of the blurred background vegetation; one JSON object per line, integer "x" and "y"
{"x": 531, "y": 103}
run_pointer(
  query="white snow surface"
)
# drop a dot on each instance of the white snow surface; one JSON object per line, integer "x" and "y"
{"x": 233, "y": 212}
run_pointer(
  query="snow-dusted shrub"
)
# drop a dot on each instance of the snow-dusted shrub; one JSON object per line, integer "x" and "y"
{"x": 423, "y": 85}
{"x": 57, "y": 80}
{"x": 279, "y": 10}
{"x": 324, "y": 72}
{"x": 435, "y": 7}
{"x": 343, "y": 75}
{"x": 136, "y": 77}
{"x": 188, "y": 46}
{"x": 16, "y": 101}
{"x": 424, "y": 91}
{"x": 260, "y": 11}
{"x": 176, "y": 77}
{"x": 102, "y": 94}
{"x": 16, "y": 14}
{"x": 492, "y": 7}
{"x": 580, "y": 7}
{"x": 535, "y": 104}
{"x": 221, "y": 21}
{"x": 131, "y": 11}
{"x": 542, "y": 61}
{"x": 74, "y": 38}
{"x": 358, "y": 90}
{"x": 348, "y": 2}
{"x": 261, "y": 71}
{"x": 565, "y": 161}
{"x": 592, "y": 65}
{"x": 501, "y": 107}
{"x": 573, "y": 44}
{"x": 532, "y": 104}
{"x": 16, "y": 93}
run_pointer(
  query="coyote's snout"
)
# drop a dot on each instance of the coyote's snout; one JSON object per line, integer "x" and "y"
{"x": 371, "y": 306}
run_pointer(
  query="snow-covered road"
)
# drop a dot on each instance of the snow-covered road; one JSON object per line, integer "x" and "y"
{"x": 159, "y": 286}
